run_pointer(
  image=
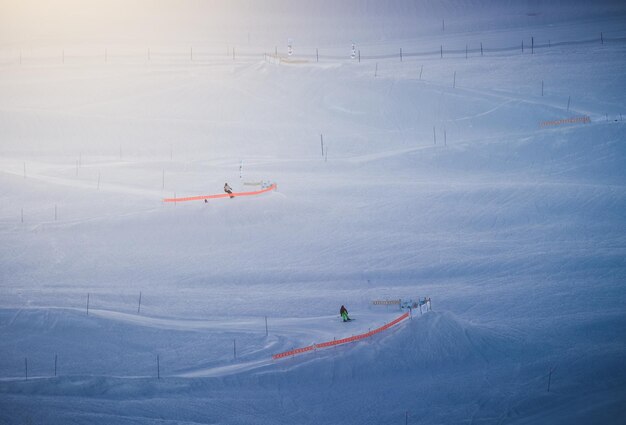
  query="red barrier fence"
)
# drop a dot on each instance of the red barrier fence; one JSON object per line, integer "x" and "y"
{"x": 584, "y": 119}
{"x": 220, "y": 195}
{"x": 340, "y": 341}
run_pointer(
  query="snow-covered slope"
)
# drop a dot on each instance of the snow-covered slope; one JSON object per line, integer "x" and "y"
{"x": 396, "y": 179}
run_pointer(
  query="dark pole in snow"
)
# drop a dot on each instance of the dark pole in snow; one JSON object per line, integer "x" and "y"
{"x": 434, "y": 136}
{"x": 234, "y": 348}
{"x": 26, "y": 367}
{"x": 266, "y": 329}
{"x": 421, "y": 70}
{"x": 139, "y": 307}
{"x": 541, "y": 87}
{"x": 55, "y": 365}
{"x": 158, "y": 368}
{"x": 532, "y": 45}
{"x": 317, "y": 55}
{"x": 400, "y": 54}
{"x": 441, "y": 50}
{"x": 322, "y": 143}
{"x": 87, "y": 303}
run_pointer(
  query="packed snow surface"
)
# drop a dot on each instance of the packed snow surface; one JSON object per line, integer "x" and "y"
{"x": 398, "y": 177}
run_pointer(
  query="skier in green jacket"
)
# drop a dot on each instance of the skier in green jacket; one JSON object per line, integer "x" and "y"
{"x": 344, "y": 314}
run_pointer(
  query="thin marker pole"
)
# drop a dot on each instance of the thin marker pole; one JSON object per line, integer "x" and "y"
{"x": 376, "y": 70}
{"x": 542, "y": 88}
{"x": 481, "y": 48}
{"x": 87, "y": 303}
{"x": 163, "y": 183}
{"x": 532, "y": 45}
{"x": 454, "y": 80}
{"x": 158, "y": 368}
{"x": 421, "y": 70}
{"x": 400, "y": 54}
{"x": 26, "y": 367}
{"x": 466, "y": 51}
{"x": 568, "y": 100}
{"x": 445, "y": 138}
{"x": 22, "y": 215}
{"x": 55, "y": 213}
{"x": 359, "y": 55}
{"x": 266, "y": 328}
{"x": 234, "y": 348}
{"x": 139, "y": 306}
{"x": 24, "y": 169}
{"x": 317, "y": 55}
{"x": 322, "y": 143}
{"x": 55, "y": 365}
{"x": 441, "y": 50}
{"x": 434, "y": 136}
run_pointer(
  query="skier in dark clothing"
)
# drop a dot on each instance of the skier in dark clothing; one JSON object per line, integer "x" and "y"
{"x": 228, "y": 190}
{"x": 344, "y": 314}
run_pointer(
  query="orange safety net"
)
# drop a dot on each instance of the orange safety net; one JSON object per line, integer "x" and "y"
{"x": 339, "y": 341}
{"x": 220, "y": 195}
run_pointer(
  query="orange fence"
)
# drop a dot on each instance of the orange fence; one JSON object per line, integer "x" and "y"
{"x": 584, "y": 119}
{"x": 339, "y": 341}
{"x": 220, "y": 195}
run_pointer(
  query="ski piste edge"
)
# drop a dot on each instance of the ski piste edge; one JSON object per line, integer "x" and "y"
{"x": 221, "y": 195}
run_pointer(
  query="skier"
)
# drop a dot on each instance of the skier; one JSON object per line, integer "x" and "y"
{"x": 228, "y": 190}
{"x": 344, "y": 314}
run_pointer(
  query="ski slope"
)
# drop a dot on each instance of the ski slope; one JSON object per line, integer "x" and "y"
{"x": 421, "y": 177}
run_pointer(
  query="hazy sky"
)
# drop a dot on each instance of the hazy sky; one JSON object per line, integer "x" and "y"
{"x": 89, "y": 21}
